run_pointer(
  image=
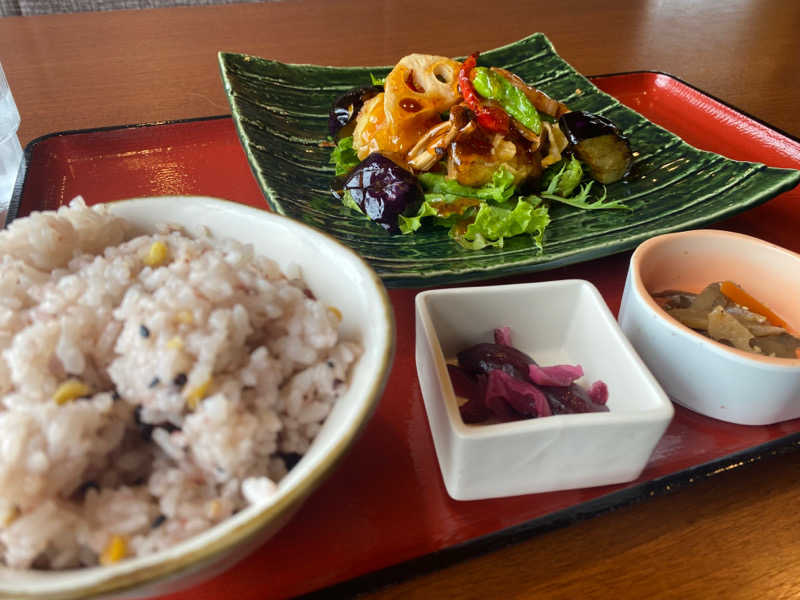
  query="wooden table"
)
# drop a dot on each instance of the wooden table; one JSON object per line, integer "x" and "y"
{"x": 734, "y": 535}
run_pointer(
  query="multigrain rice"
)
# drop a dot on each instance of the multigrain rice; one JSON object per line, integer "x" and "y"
{"x": 150, "y": 386}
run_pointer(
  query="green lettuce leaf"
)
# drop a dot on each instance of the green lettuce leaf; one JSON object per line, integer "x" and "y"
{"x": 499, "y": 189}
{"x": 411, "y": 224}
{"x": 344, "y": 157}
{"x": 347, "y": 200}
{"x": 493, "y": 224}
{"x": 446, "y": 210}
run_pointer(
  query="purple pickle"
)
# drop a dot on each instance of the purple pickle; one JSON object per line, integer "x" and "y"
{"x": 500, "y": 380}
{"x": 502, "y": 336}
{"x": 571, "y": 399}
{"x": 467, "y": 386}
{"x": 598, "y": 392}
{"x": 525, "y": 398}
{"x": 560, "y": 375}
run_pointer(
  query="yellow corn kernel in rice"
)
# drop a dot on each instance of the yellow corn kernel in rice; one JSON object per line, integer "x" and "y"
{"x": 197, "y": 393}
{"x": 335, "y": 312}
{"x": 214, "y": 509}
{"x": 9, "y": 516}
{"x": 115, "y": 551}
{"x": 185, "y": 316}
{"x": 70, "y": 390}
{"x": 175, "y": 343}
{"x": 157, "y": 254}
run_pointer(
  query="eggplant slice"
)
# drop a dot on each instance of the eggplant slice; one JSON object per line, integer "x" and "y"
{"x": 598, "y": 144}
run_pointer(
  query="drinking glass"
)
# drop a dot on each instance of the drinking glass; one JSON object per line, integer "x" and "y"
{"x": 10, "y": 148}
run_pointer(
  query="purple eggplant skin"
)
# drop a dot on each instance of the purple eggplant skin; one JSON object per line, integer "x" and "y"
{"x": 485, "y": 357}
{"x": 383, "y": 190}
{"x": 579, "y": 125}
{"x": 469, "y": 387}
{"x": 598, "y": 144}
{"x": 482, "y": 358}
{"x": 345, "y": 108}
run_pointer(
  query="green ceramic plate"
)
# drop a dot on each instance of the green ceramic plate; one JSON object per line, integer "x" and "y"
{"x": 281, "y": 115}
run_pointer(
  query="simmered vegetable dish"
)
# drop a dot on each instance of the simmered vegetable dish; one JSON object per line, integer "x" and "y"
{"x": 726, "y": 313}
{"x": 470, "y": 148}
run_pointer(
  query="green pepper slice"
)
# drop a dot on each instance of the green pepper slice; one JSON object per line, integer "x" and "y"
{"x": 513, "y": 100}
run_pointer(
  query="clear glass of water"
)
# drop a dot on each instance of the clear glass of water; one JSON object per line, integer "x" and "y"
{"x": 10, "y": 149}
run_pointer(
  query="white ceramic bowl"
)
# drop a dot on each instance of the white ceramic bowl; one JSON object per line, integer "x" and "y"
{"x": 555, "y": 323}
{"x": 697, "y": 372}
{"x": 338, "y": 277}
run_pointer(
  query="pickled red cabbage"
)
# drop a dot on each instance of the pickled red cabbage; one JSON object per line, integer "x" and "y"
{"x": 502, "y": 383}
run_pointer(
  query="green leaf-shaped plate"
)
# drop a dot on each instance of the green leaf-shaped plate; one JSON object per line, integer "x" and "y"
{"x": 281, "y": 115}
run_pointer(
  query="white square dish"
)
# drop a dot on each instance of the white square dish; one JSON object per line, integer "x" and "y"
{"x": 555, "y": 322}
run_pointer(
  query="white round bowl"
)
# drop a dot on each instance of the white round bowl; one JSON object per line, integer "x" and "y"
{"x": 337, "y": 276}
{"x": 699, "y": 373}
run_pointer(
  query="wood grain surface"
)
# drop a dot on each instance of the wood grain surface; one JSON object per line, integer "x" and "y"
{"x": 735, "y": 535}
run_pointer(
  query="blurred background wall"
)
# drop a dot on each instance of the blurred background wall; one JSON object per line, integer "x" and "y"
{"x": 44, "y": 7}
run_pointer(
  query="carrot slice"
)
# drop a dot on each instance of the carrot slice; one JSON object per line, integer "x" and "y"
{"x": 797, "y": 352}
{"x": 742, "y": 298}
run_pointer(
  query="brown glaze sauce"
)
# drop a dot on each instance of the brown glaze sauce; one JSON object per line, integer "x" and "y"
{"x": 466, "y": 147}
{"x": 409, "y": 105}
{"x": 457, "y": 207}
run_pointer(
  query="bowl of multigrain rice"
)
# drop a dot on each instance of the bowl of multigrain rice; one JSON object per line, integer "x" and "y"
{"x": 177, "y": 375}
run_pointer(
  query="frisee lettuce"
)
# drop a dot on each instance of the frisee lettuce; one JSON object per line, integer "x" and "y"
{"x": 563, "y": 182}
{"x": 563, "y": 177}
{"x": 377, "y": 80}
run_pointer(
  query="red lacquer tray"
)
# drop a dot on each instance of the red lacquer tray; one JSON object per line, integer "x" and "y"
{"x": 384, "y": 514}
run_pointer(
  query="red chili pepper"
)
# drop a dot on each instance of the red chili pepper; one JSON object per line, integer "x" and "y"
{"x": 490, "y": 118}
{"x": 464, "y": 82}
{"x": 493, "y": 119}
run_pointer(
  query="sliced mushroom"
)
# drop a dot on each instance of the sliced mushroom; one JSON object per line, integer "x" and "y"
{"x": 424, "y": 154}
{"x": 432, "y": 146}
{"x": 556, "y": 143}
